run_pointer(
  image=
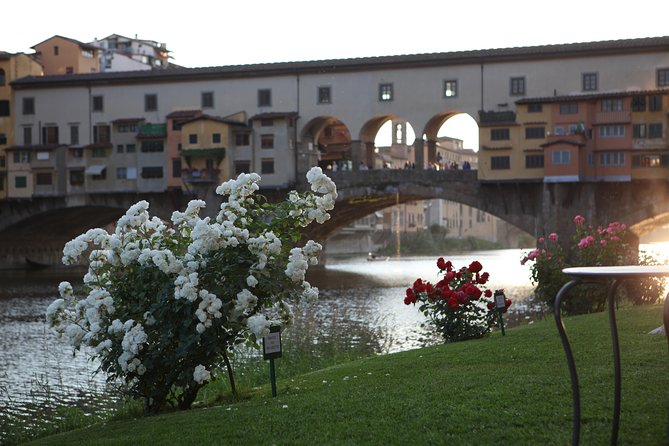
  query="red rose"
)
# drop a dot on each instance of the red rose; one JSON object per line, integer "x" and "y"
{"x": 408, "y": 300}
{"x": 453, "y": 303}
{"x": 475, "y": 267}
{"x": 441, "y": 263}
{"x": 449, "y": 276}
{"x": 483, "y": 278}
{"x": 461, "y": 296}
{"x": 474, "y": 292}
{"x": 507, "y": 303}
{"x": 488, "y": 293}
{"x": 490, "y": 306}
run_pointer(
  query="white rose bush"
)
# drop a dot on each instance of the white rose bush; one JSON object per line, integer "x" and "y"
{"x": 163, "y": 305}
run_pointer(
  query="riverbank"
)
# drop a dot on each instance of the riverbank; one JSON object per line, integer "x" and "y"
{"x": 499, "y": 390}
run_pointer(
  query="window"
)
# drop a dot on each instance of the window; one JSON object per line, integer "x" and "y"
{"x": 267, "y": 165}
{"x": 176, "y": 167}
{"x": 2, "y": 77}
{"x": 42, "y": 156}
{"x": 50, "y": 134}
{"x": 121, "y": 173}
{"x": 324, "y": 95}
{"x": 192, "y": 138}
{"x": 55, "y": 50}
{"x": 266, "y": 122}
{"x": 612, "y": 131}
{"x": 98, "y": 152}
{"x": 655, "y": 130}
{"x": 4, "y": 108}
{"x": 535, "y": 108}
{"x": 612, "y": 105}
{"x": 43, "y": 179}
{"x": 385, "y": 92}
{"x": 612, "y": 158}
{"x": 655, "y": 103}
{"x": 152, "y": 172}
{"x": 517, "y": 86}
{"x": 74, "y": 134}
{"x": 500, "y": 162}
{"x": 3, "y": 139}
{"x": 208, "y": 99}
{"x": 589, "y": 81}
{"x": 28, "y": 106}
{"x": 151, "y": 146}
{"x": 150, "y": 102}
{"x": 22, "y": 157}
{"x": 119, "y": 148}
{"x": 127, "y": 128}
{"x": 242, "y": 167}
{"x": 650, "y": 160}
{"x": 100, "y": 176}
{"x": 77, "y": 177}
{"x": 535, "y": 133}
{"x": 130, "y": 148}
{"x": 561, "y": 157}
{"x": 101, "y": 134}
{"x": 450, "y": 88}
{"x": 638, "y": 103}
{"x": 242, "y": 139}
{"x": 499, "y": 134}
{"x": 69, "y": 70}
{"x": 27, "y": 135}
{"x": 639, "y": 131}
{"x": 534, "y": 161}
{"x": 264, "y": 97}
{"x": 216, "y": 138}
{"x": 267, "y": 141}
{"x": 569, "y": 108}
{"x": 663, "y": 77}
{"x": 21, "y": 182}
{"x": 98, "y": 103}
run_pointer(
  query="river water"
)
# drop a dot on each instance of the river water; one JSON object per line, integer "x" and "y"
{"x": 35, "y": 364}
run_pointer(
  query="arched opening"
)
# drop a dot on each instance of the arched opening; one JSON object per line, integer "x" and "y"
{"x": 452, "y": 141}
{"x": 330, "y": 140}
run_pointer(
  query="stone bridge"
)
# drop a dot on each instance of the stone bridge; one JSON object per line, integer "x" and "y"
{"x": 37, "y": 229}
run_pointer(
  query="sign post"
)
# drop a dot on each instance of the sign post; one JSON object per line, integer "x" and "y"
{"x": 500, "y": 306}
{"x": 271, "y": 349}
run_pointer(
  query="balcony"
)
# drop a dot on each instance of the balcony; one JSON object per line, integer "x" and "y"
{"x": 200, "y": 176}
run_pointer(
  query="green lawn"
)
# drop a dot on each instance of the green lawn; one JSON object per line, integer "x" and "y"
{"x": 511, "y": 390}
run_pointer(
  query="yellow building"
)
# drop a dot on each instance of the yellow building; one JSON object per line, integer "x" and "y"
{"x": 62, "y": 55}
{"x": 12, "y": 66}
{"x": 204, "y": 142}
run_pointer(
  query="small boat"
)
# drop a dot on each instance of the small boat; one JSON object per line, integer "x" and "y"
{"x": 375, "y": 257}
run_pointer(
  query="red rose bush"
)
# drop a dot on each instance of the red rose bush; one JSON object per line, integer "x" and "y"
{"x": 459, "y": 306}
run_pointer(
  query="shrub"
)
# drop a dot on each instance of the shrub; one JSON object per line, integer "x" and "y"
{"x": 459, "y": 307}
{"x": 165, "y": 305}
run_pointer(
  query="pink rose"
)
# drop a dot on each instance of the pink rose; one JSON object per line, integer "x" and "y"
{"x": 579, "y": 219}
{"x": 553, "y": 237}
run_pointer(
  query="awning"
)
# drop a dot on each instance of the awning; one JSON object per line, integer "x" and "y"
{"x": 95, "y": 169}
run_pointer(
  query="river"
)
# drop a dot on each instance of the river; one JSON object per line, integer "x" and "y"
{"x": 36, "y": 364}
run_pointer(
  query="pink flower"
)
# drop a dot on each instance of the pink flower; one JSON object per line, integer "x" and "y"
{"x": 585, "y": 242}
{"x": 541, "y": 240}
{"x": 533, "y": 254}
{"x": 603, "y": 243}
{"x": 553, "y": 237}
{"x": 579, "y": 219}
{"x": 615, "y": 238}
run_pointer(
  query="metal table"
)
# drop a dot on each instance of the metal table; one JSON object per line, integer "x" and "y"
{"x": 614, "y": 275}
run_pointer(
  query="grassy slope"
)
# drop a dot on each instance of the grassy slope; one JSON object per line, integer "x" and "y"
{"x": 510, "y": 390}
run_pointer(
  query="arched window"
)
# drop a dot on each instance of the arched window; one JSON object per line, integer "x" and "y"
{"x": 2, "y": 77}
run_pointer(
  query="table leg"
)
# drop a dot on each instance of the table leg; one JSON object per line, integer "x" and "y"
{"x": 616, "y": 360}
{"x": 576, "y": 398}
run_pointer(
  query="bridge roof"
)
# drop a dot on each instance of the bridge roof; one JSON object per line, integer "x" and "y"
{"x": 176, "y": 74}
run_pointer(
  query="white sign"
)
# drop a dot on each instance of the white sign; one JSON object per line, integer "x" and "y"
{"x": 272, "y": 343}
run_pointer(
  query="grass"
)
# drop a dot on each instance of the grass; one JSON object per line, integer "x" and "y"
{"x": 511, "y": 390}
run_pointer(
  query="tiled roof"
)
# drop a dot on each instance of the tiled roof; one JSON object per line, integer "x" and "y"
{"x": 589, "y": 49}
{"x": 83, "y": 45}
{"x": 213, "y": 118}
{"x": 589, "y": 96}
{"x": 184, "y": 114}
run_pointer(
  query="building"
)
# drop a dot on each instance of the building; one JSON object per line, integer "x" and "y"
{"x": 120, "y": 53}
{"x": 62, "y": 55}
{"x": 12, "y": 67}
